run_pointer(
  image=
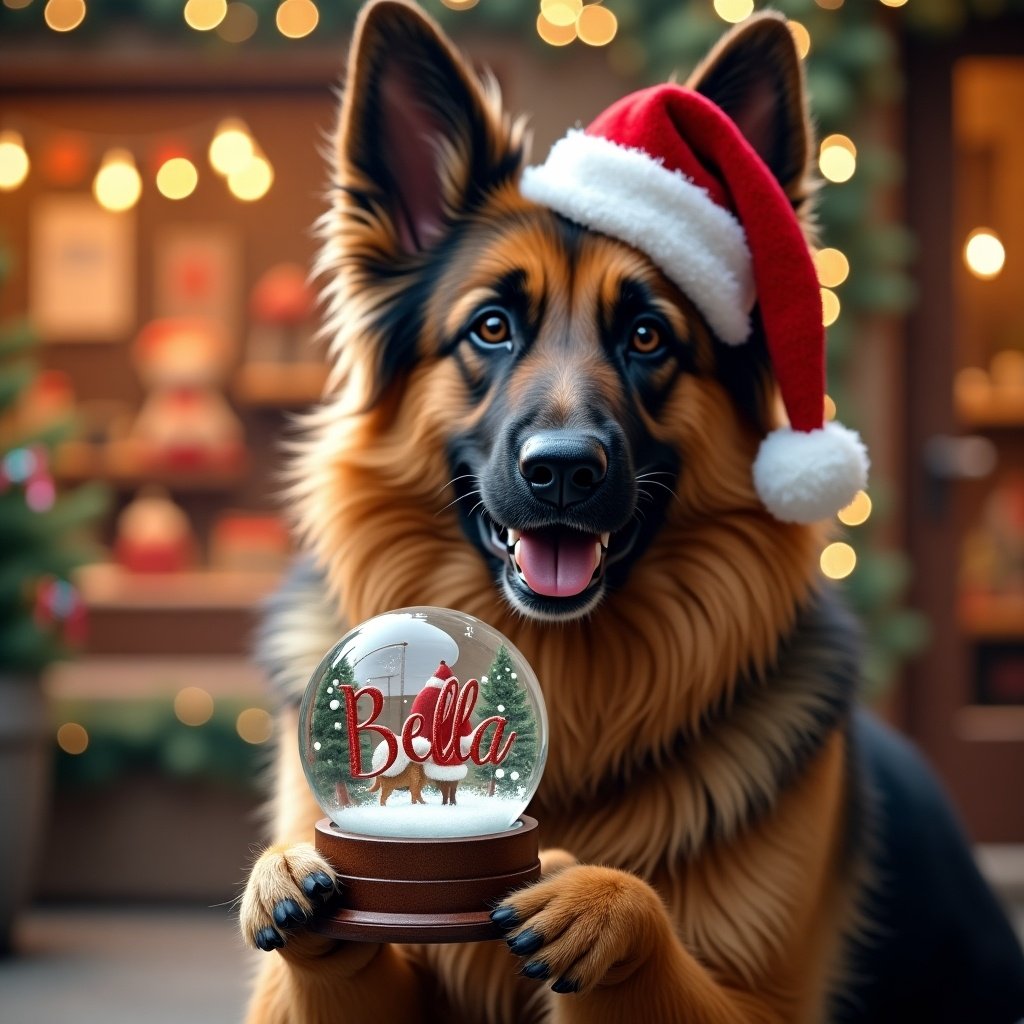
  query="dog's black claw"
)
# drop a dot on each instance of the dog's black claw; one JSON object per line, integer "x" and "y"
{"x": 319, "y": 883}
{"x": 505, "y": 918}
{"x": 565, "y": 985}
{"x": 537, "y": 969}
{"x": 526, "y": 942}
{"x": 268, "y": 939}
{"x": 288, "y": 913}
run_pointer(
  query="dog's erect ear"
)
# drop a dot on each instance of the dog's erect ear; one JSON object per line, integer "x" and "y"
{"x": 421, "y": 138}
{"x": 754, "y": 74}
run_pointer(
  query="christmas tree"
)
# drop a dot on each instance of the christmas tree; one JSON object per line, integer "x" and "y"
{"x": 43, "y": 535}
{"x": 330, "y": 730}
{"x": 502, "y": 695}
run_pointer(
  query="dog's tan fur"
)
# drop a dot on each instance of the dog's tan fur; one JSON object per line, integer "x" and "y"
{"x": 657, "y": 912}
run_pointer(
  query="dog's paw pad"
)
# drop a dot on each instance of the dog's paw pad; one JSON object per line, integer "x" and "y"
{"x": 268, "y": 939}
{"x": 318, "y": 885}
{"x": 288, "y": 913}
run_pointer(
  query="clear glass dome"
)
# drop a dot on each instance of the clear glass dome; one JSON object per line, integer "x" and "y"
{"x": 423, "y": 722}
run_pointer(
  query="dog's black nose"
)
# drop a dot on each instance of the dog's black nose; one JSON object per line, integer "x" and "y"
{"x": 562, "y": 467}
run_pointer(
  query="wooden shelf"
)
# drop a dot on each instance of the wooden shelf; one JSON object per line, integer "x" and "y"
{"x": 121, "y": 465}
{"x": 129, "y": 678}
{"x": 108, "y": 587}
{"x": 279, "y": 385}
{"x": 992, "y": 409}
{"x": 984, "y": 723}
{"x": 992, "y": 617}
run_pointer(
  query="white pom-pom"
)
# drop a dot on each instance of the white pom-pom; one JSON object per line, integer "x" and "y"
{"x": 380, "y": 756}
{"x": 803, "y": 476}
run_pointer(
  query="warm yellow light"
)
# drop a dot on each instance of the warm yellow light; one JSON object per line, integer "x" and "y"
{"x": 561, "y": 13}
{"x": 232, "y": 147}
{"x": 72, "y": 738}
{"x": 596, "y": 25}
{"x": 734, "y": 11}
{"x": 177, "y": 178}
{"x": 829, "y": 307}
{"x": 193, "y": 706}
{"x": 203, "y": 15}
{"x": 64, "y": 15}
{"x": 984, "y": 253}
{"x": 829, "y": 5}
{"x": 555, "y": 35}
{"x": 14, "y": 163}
{"x": 801, "y": 37}
{"x": 830, "y": 408}
{"x": 832, "y": 266}
{"x": 297, "y": 18}
{"x": 857, "y": 511}
{"x": 254, "y": 725}
{"x": 460, "y": 5}
{"x": 16, "y": 5}
{"x": 894, "y": 3}
{"x": 837, "y": 158}
{"x": 239, "y": 23}
{"x": 117, "y": 185}
{"x": 253, "y": 181}
{"x": 838, "y": 560}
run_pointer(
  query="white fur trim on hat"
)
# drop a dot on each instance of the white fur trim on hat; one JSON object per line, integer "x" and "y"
{"x": 630, "y": 195}
{"x": 445, "y": 772}
{"x": 439, "y": 683}
{"x": 803, "y": 476}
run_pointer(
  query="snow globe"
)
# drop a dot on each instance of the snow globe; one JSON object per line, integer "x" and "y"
{"x": 423, "y": 736}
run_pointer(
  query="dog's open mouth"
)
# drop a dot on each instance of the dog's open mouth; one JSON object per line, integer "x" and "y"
{"x": 554, "y": 571}
{"x": 556, "y": 561}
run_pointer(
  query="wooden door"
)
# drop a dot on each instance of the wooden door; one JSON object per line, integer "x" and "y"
{"x": 965, "y": 413}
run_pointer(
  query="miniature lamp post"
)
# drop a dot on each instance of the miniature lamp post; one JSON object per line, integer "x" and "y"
{"x": 423, "y": 736}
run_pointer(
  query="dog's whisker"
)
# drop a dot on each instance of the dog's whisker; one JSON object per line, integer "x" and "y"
{"x": 456, "y": 479}
{"x": 468, "y": 494}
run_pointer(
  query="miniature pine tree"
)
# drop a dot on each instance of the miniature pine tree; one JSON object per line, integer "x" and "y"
{"x": 44, "y": 535}
{"x": 330, "y": 731}
{"x": 502, "y": 694}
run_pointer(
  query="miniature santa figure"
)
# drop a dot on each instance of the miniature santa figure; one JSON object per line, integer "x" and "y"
{"x": 446, "y": 764}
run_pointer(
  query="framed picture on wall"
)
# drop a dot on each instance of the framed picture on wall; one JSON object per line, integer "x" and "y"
{"x": 81, "y": 270}
{"x": 198, "y": 273}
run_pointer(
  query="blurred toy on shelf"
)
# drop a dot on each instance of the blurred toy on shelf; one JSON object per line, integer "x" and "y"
{"x": 154, "y": 535}
{"x": 249, "y": 542}
{"x": 281, "y": 311}
{"x": 185, "y": 422}
{"x": 993, "y": 552}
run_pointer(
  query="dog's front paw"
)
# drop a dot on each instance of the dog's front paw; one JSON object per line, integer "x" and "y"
{"x": 582, "y": 926}
{"x": 287, "y": 887}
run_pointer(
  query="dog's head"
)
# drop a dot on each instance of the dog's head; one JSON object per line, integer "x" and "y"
{"x": 523, "y": 406}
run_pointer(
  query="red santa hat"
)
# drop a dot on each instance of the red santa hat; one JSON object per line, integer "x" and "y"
{"x": 441, "y": 676}
{"x": 669, "y": 172}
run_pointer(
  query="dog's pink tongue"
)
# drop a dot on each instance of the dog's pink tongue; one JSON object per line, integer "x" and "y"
{"x": 558, "y": 563}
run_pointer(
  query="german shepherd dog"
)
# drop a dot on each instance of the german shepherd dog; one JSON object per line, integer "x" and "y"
{"x": 728, "y": 840}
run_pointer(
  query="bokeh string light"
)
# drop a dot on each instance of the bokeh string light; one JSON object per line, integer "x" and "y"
{"x": 205, "y": 15}
{"x": 561, "y": 22}
{"x": 232, "y": 146}
{"x": 857, "y": 512}
{"x": 837, "y": 158}
{"x": 14, "y": 161}
{"x": 832, "y": 266}
{"x": 117, "y": 185}
{"x": 829, "y": 307}
{"x": 193, "y": 706}
{"x": 239, "y": 24}
{"x": 838, "y": 560}
{"x": 984, "y": 254}
{"x": 64, "y": 15}
{"x": 253, "y": 181}
{"x": 734, "y": 11}
{"x": 296, "y": 19}
{"x": 177, "y": 178}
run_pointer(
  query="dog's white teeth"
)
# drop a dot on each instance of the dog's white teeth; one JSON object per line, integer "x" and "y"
{"x": 605, "y": 538}
{"x": 515, "y": 555}
{"x": 513, "y": 536}
{"x": 599, "y": 551}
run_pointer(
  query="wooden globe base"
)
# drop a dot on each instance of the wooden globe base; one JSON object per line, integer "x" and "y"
{"x": 425, "y": 890}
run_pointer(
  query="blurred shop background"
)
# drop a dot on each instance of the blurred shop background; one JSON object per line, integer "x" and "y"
{"x": 161, "y": 166}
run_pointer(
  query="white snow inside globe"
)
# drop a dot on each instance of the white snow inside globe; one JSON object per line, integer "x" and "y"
{"x": 423, "y": 723}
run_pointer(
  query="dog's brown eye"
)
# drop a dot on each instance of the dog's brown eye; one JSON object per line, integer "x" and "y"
{"x": 492, "y": 328}
{"x": 646, "y": 337}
